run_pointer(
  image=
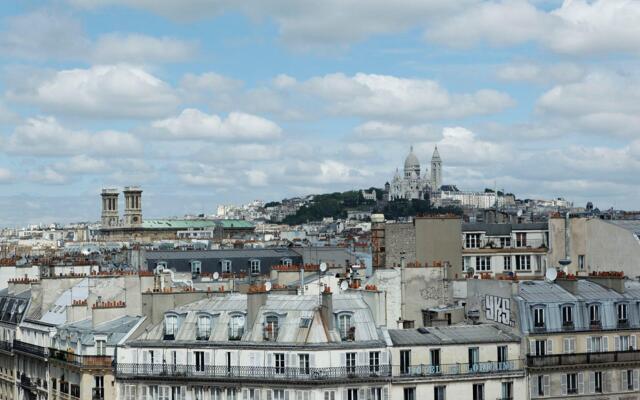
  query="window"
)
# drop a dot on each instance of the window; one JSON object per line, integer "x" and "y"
{"x": 280, "y": 364}
{"x": 523, "y": 262}
{"x": 236, "y": 327}
{"x": 330, "y": 395}
{"x": 345, "y": 327}
{"x": 466, "y": 263}
{"x": 439, "y": 392}
{"x": 478, "y": 391}
{"x": 540, "y": 348}
{"x": 472, "y": 240}
{"x": 280, "y": 394}
{"x": 170, "y": 327}
{"x": 629, "y": 379}
{"x": 569, "y": 345}
{"x": 352, "y": 394}
{"x": 622, "y": 313}
{"x": 101, "y": 347}
{"x": 571, "y": 383}
{"x": 286, "y": 261}
{"x": 503, "y": 352}
{"x": 199, "y": 356}
{"x": 350, "y": 362}
{"x": 303, "y": 362}
{"x": 474, "y": 358}
{"x": 303, "y": 395}
{"x": 505, "y": 242}
{"x": 521, "y": 239}
{"x": 232, "y": 394}
{"x": 538, "y": 317}
{"x": 405, "y": 361}
{"x": 594, "y": 314}
{"x": 271, "y": 327}
{"x": 567, "y": 316}
{"x": 597, "y": 381}
{"x": 374, "y": 361}
{"x": 409, "y": 393}
{"x": 225, "y": 265}
{"x": 483, "y": 263}
{"x": 435, "y": 360}
{"x": 625, "y": 343}
{"x": 375, "y": 394}
{"x": 129, "y": 392}
{"x": 204, "y": 327}
{"x": 507, "y": 391}
{"x": 196, "y": 267}
{"x": 541, "y": 383}
{"x": 164, "y": 393}
{"x": 255, "y": 267}
{"x": 581, "y": 262}
{"x": 507, "y": 263}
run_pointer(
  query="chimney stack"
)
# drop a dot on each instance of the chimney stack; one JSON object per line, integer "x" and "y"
{"x": 255, "y": 299}
{"x": 326, "y": 309}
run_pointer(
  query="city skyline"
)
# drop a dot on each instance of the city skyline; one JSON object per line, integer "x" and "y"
{"x": 204, "y": 103}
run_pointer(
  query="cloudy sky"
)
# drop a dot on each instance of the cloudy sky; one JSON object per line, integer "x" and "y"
{"x": 203, "y": 102}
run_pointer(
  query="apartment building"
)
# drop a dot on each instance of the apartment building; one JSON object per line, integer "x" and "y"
{"x": 505, "y": 249}
{"x": 475, "y": 362}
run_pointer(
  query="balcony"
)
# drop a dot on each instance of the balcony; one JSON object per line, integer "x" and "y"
{"x": 97, "y": 394}
{"x": 251, "y": 373}
{"x": 453, "y": 370}
{"x": 560, "y": 360}
{"x": 80, "y": 361}
{"x": 6, "y": 346}
{"x": 493, "y": 245}
{"x": 30, "y": 349}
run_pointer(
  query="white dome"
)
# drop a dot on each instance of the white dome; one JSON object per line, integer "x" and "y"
{"x": 411, "y": 162}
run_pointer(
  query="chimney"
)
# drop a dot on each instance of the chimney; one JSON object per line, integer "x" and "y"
{"x": 255, "y": 299}
{"x": 326, "y": 309}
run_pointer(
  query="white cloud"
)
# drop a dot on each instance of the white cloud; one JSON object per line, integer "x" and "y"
{"x": 47, "y": 176}
{"x": 6, "y": 175}
{"x": 540, "y": 73}
{"x": 257, "y": 178}
{"x": 45, "y": 136}
{"x": 141, "y": 49}
{"x": 390, "y": 97}
{"x": 107, "y": 91}
{"x": 376, "y": 130}
{"x": 81, "y": 164}
{"x": 194, "y": 124}
{"x": 463, "y": 147}
{"x": 602, "y": 103}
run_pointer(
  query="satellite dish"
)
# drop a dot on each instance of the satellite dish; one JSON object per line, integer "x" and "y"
{"x": 344, "y": 285}
{"x": 519, "y": 213}
{"x": 216, "y": 275}
{"x": 323, "y": 267}
{"x": 551, "y": 274}
{"x": 267, "y": 286}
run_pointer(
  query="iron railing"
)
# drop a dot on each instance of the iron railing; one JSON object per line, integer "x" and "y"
{"x": 494, "y": 243}
{"x": 251, "y": 372}
{"x": 84, "y": 361}
{"x": 31, "y": 349}
{"x": 97, "y": 393}
{"x": 555, "y": 360}
{"x": 480, "y": 368}
{"x": 6, "y": 345}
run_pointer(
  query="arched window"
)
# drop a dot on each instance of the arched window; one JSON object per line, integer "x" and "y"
{"x": 170, "y": 327}
{"x": 271, "y": 327}
{"x": 286, "y": 261}
{"x": 204, "y": 327}
{"x": 236, "y": 327}
{"x": 345, "y": 327}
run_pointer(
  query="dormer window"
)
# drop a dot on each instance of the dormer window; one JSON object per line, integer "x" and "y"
{"x": 345, "y": 327}
{"x": 170, "y": 327}
{"x": 254, "y": 266}
{"x": 594, "y": 314}
{"x": 225, "y": 266}
{"x": 236, "y": 327}
{"x": 204, "y": 327}
{"x": 538, "y": 317}
{"x": 567, "y": 316}
{"x": 286, "y": 262}
{"x": 622, "y": 309}
{"x": 271, "y": 328}
{"x": 196, "y": 267}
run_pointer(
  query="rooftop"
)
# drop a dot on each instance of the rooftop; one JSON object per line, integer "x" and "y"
{"x": 455, "y": 334}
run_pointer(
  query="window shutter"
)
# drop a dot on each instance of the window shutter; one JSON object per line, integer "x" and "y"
{"x": 343, "y": 360}
{"x": 605, "y": 343}
{"x": 534, "y": 386}
{"x": 189, "y": 358}
{"x": 385, "y": 393}
{"x": 299, "y": 395}
{"x": 270, "y": 360}
{"x": 623, "y": 380}
{"x": 588, "y": 344}
{"x": 286, "y": 395}
{"x": 312, "y": 361}
{"x": 616, "y": 343}
{"x": 549, "y": 346}
{"x": 592, "y": 382}
{"x": 580, "y": 382}
{"x": 606, "y": 376}
{"x": 293, "y": 361}
{"x": 563, "y": 384}
{"x": 547, "y": 385}
{"x": 206, "y": 358}
{"x": 345, "y": 395}
{"x": 362, "y": 358}
{"x": 636, "y": 379}
{"x": 532, "y": 347}
{"x": 634, "y": 342}
{"x": 384, "y": 357}
{"x": 567, "y": 345}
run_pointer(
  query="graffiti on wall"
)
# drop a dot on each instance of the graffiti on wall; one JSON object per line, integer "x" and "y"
{"x": 498, "y": 309}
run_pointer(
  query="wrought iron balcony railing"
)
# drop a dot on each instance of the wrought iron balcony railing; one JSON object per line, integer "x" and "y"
{"x": 31, "y": 349}
{"x": 481, "y": 368}
{"x": 82, "y": 361}
{"x": 6, "y": 346}
{"x": 556, "y": 360}
{"x": 252, "y": 373}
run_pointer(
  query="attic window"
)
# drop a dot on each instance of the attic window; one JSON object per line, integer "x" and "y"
{"x": 305, "y": 322}
{"x": 196, "y": 267}
{"x": 286, "y": 261}
{"x": 271, "y": 328}
{"x": 255, "y": 266}
{"x": 225, "y": 265}
{"x": 170, "y": 327}
{"x": 236, "y": 327}
{"x": 345, "y": 327}
{"x": 204, "y": 327}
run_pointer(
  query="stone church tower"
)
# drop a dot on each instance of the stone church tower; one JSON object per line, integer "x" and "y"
{"x": 436, "y": 171}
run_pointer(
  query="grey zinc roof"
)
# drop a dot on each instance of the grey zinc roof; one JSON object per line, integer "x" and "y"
{"x": 115, "y": 329}
{"x": 632, "y": 289}
{"x": 57, "y": 314}
{"x": 544, "y": 292}
{"x": 226, "y": 253}
{"x": 630, "y": 225}
{"x": 503, "y": 229}
{"x": 455, "y": 334}
{"x": 592, "y": 291}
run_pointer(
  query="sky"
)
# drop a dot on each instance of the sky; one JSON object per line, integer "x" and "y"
{"x": 207, "y": 102}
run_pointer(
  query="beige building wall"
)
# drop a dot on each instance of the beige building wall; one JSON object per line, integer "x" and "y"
{"x": 438, "y": 239}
